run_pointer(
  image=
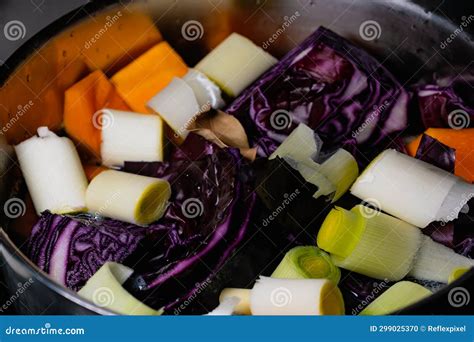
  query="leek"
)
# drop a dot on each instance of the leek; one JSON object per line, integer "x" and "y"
{"x": 397, "y": 297}
{"x": 341, "y": 169}
{"x": 300, "y": 145}
{"x": 177, "y": 105}
{"x": 272, "y": 296}
{"x": 457, "y": 273}
{"x": 310, "y": 172}
{"x": 128, "y": 197}
{"x": 131, "y": 137}
{"x": 306, "y": 262}
{"x": 235, "y": 63}
{"x": 53, "y": 173}
{"x": 412, "y": 190}
{"x": 105, "y": 290}
{"x": 207, "y": 93}
{"x": 243, "y": 305}
{"x": 226, "y": 307}
{"x": 369, "y": 242}
{"x": 436, "y": 262}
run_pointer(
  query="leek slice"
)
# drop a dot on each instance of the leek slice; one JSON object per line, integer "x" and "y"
{"x": 272, "y": 296}
{"x": 235, "y": 63}
{"x": 457, "y": 273}
{"x": 310, "y": 172}
{"x": 397, "y": 297}
{"x": 226, "y": 307}
{"x": 300, "y": 145}
{"x": 412, "y": 190}
{"x": 131, "y": 137}
{"x": 436, "y": 262}
{"x": 369, "y": 242}
{"x": 243, "y": 295}
{"x": 341, "y": 169}
{"x": 176, "y": 104}
{"x": 306, "y": 262}
{"x": 207, "y": 93}
{"x": 105, "y": 289}
{"x": 53, "y": 173}
{"x": 128, "y": 197}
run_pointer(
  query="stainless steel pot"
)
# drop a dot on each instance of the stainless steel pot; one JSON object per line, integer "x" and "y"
{"x": 410, "y": 41}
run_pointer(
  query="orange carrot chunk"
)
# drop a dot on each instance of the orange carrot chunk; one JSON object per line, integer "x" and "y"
{"x": 140, "y": 80}
{"x": 82, "y": 101}
{"x": 461, "y": 140}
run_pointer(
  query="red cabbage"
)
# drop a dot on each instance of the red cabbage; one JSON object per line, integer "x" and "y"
{"x": 334, "y": 87}
{"x": 446, "y": 101}
{"x": 207, "y": 219}
{"x": 436, "y": 153}
{"x": 72, "y": 250}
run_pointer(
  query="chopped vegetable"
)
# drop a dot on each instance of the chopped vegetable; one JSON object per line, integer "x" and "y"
{"x": 127, "y": 197}
{"x": 457, "y": 273}
{"x": 208, "y": 94}
{"x": 301, "y": 144}
{"x": 177, "y": 106}
{"x": 369, "y": 242}
{"x": 340, "y": 169}
{"x": 436, "y": 153}
{"x": 460, "y": 140}
{"x": 226, "y": 308}
{"x": 131, "y": 137}
{"x": 53, "y": 172}
{"x": 398, "y": 296}
{"x": 140, "y": 80}
{"x": 412, "y": 190}
{"x": 446, "y": 101}
{"x": 105, "y": 290}
{"x": 271, "y": 296}
{"x": 345, "y": 97}
{"x": 243, "y": 307}
{"x": 71, "y": 250}
{"x": 206, "y": 222}
{"x": 306, "y": 262}
{"x": 235, "y": 63}
{"x": 436, "y": 262}
{"x": 92, "y": 170}
{"x": 310, "y": 171}
{"x": 82, "y": 105}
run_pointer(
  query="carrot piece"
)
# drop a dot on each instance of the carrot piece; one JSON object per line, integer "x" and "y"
{"x": 139, "y": 81}
{"x": 461, "y": 140}
{"x": 93, "y": 170}
{"x": 82, "y": 101}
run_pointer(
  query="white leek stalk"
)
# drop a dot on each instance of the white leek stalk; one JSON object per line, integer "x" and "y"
{"x": 309, "y": 169}
{"x": 226, "y": 307}
{"x": 235, "y": 63}
{"x": 176, "y": 104}
{"x": 436, "y": 262}
{"x": 243, "y": 295}
{"x": 208, "y": 94}
{"x": 53, "y": 173}
{"x": 412, "y": 190}
{"x": 369, "y": 242}
{"x": 307, "y": 262}
{"x": 105, "y": 290}
{"x": 300, "y": 145}
{"x": 129, "y": 136}
{"x": 397, "y": 297}
{"x": 341, "y": 169}
{"x": 272, "y": 296}
{"x": 128, "y": 197}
